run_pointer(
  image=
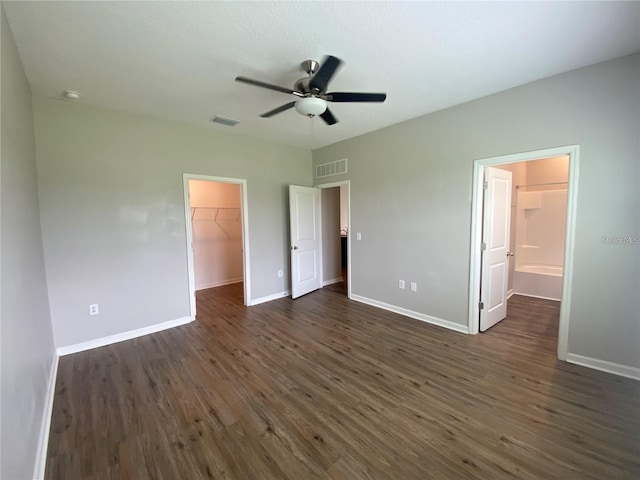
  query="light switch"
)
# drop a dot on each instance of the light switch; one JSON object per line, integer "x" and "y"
{"x": 358, "y": 236}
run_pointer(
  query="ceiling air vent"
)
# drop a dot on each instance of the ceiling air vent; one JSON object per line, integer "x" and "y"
{"x": 331, "y": 168}
{"x": 229, "y": 122}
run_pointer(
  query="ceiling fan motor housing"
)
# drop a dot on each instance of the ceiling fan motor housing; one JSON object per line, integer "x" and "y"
{"x": 302, "y": 85}
{"x": 309, "y": 67}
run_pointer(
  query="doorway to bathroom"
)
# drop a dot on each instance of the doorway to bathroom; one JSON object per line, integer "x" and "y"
{"x": 521, "y": 279}
{"x": 538, "y": 221}
{"x": 538, "y": 215}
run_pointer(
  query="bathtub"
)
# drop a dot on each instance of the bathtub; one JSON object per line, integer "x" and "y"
{"x": 541, "y": 281}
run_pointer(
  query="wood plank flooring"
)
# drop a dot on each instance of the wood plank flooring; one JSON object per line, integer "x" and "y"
{"x": 325, "y": 388}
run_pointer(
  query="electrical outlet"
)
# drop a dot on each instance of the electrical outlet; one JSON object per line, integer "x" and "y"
{"x": 93, "y": 309}
{"x": 401, "y": 284}
{"x": 280, "y": 273}
{"x": 358, "y": 236}
{"x": 414, "y": 287}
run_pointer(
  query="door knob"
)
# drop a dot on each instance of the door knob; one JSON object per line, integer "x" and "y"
{"x": 510, "y": 254}
{"x": 294, "y": 247}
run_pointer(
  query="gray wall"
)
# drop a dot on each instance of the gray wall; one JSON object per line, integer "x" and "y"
{"x": 418, "y": 175}
{"x": 111, "y": 195}
{"x": 331, "y": 234}
{"x": 28, "y": 352}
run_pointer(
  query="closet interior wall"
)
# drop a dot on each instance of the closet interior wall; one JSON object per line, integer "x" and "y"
{"x": 217, "y": 233}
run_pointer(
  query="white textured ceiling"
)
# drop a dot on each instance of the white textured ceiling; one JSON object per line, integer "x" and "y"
{"x": 178, "y": 60}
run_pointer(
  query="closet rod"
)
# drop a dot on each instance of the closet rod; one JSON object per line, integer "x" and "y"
{"x": 542, "y": 184}
{"x": 193, "y": 211}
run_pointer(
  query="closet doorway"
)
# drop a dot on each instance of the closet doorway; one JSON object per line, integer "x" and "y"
{"x": 216, "y": 213}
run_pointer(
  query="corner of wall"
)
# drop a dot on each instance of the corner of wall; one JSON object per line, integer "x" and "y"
{"x": 43, "y": 443}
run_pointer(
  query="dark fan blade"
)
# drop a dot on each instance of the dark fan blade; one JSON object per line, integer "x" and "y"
{"x": 356, "y": 97}
{"x": 322, "y": 77}
{"x": 328, "y": 117}
{"x": 258, "y": 83}
{"x": 284, "y": 107}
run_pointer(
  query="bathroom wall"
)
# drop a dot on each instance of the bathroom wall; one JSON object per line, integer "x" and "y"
{"x": 541, "y": 215}
{"x": 540, "y": 230}
{"x": 217, "y": 233}
{"x": 548, "y": 170}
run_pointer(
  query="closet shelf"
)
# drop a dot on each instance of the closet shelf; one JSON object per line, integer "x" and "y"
{"x": 213, "y": 213}
{"x": 217, "y": 215}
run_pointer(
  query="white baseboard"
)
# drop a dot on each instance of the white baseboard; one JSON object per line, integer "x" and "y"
{"x": 603, "y": 365}
{"x": 220, "y": 284}
{"x": 536, "y": 296}
{"x": 332, "y": 281}
{"x": 268, "y": 298}
{"x": 410, "y": 313}
{"x": 121, "y": 337}
{"x": 43, "y": 442}
{"x": 509, "y": 294}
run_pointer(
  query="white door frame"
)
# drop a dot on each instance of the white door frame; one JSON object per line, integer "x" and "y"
{"x": 346, "y": 183}
{"x": 573, "y": 152}
{"x": 244, "y": 215}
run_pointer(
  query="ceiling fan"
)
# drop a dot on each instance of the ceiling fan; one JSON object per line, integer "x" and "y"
{"x": 312, "y": 91}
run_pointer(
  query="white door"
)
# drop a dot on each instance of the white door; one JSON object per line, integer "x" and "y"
{"x": 306, "y": 274}
{"x": 495, "y": 254}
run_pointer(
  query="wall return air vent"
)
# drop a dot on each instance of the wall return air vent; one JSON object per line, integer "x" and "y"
{"x": 331, "y": 168}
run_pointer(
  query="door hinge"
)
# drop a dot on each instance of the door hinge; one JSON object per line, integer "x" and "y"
{"x": 485, "y": 185}
{"x": 481, "y": 305}
{"x": 483, "y": 246}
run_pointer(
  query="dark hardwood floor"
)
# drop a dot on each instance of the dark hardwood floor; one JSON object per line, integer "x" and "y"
{"x": 325, "y": 388}
{"x": 531, "y": 323}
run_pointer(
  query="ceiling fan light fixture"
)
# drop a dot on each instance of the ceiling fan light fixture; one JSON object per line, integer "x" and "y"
{"x": 71, "y": 94}
{"x": 311, "y": 106}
